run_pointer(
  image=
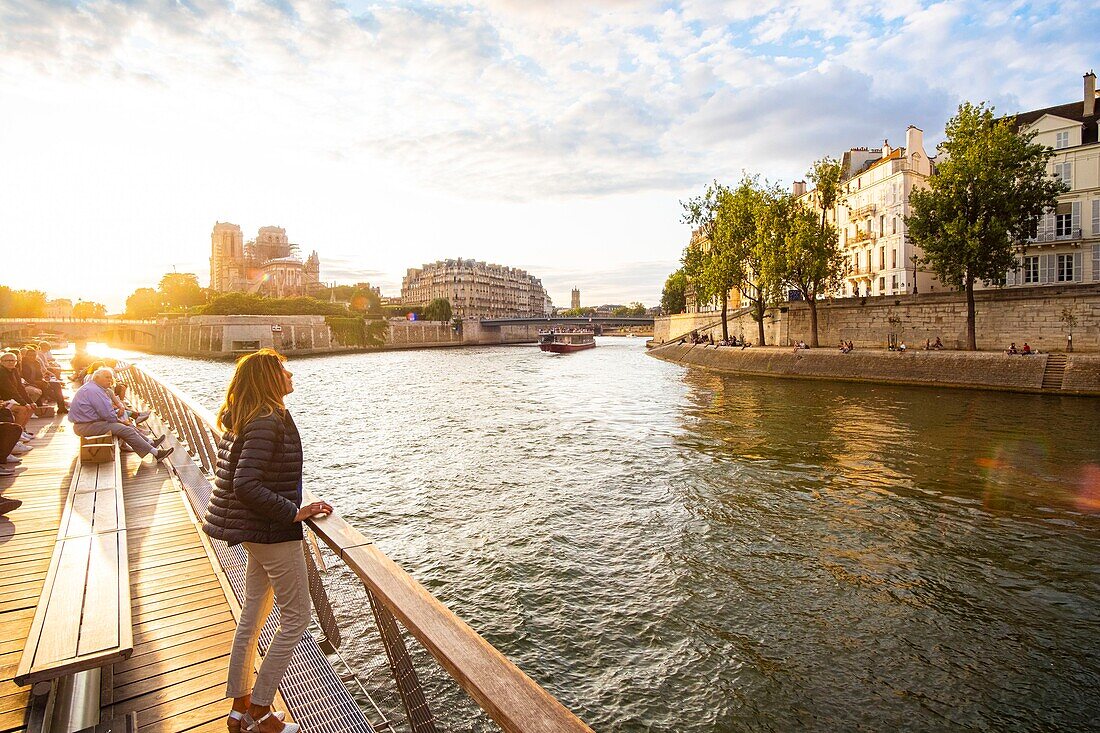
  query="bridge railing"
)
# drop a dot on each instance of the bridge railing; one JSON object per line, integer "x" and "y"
{"x": 514, "y": 701}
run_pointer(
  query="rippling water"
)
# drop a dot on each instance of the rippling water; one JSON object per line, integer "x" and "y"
{"x": 669, "y": 549}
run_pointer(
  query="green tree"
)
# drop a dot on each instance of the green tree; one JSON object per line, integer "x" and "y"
{"x": 707, "y": 260}
{"x": 365, "y": 300}
{"x": 578, "y": 312}
{"x": 804, "y": 253}
{"x": 825, "y": 175}
{"x": 144, "y": 303}
{"x": 181, "y": 290}
{"x": 231, "y": 304}
{"x": 88, "y": 309}
{"x": 674, "y": 294}
{"x": 438, "y": 310}
{"x": 985, "y": 197}
{"x": 22, "y": 303}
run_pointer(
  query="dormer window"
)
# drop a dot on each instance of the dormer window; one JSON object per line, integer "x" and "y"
{"x": 1061, "y": 140}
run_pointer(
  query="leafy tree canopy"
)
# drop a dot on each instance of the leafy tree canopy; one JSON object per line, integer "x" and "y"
{"x": 986, "y": 196}
{"x": 438, "y": 310}
{"x": 88, "y": 309}
{"x": 144, "y": 303}
{"x": 674, "y": 294}
{"x": 181, "y": 290}
{"x": 252, "y": 304}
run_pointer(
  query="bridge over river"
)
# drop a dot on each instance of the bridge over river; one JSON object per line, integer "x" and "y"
{"x": 215, "y": 336}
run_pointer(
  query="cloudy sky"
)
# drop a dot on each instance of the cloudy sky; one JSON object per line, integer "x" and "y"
{"x": 554, "y": 136}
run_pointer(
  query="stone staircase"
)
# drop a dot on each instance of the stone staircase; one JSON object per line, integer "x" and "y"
{"x": 1055, "y": 371}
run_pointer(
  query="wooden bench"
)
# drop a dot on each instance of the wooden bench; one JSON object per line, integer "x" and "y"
{"x": 83, "y": 619}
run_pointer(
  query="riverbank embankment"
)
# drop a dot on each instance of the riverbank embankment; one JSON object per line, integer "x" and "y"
{"x": 1078, "y": 374}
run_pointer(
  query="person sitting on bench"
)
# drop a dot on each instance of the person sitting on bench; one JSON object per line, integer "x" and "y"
{"x": 93, "y": 412}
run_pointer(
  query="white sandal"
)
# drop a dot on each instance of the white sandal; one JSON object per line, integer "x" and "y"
{"x": 237, "y": 715}
{"x": 248, "y": 724}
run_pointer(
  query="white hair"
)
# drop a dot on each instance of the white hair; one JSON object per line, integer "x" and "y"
{"x": 103, "y": 370}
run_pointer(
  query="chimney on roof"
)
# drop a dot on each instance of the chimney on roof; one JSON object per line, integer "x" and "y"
{"x": 798, "y": 188}
{"x": 886, "y": 149}
{"x": 914, "y": 141}
{"x": 1090, "y": 94}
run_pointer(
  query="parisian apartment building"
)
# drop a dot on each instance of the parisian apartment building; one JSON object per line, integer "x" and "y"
{"x": 1066, "y": 248}
{"x": 874, "y": 202}
{"x": 477, "y": 289}
{"x": 870, "y": 218}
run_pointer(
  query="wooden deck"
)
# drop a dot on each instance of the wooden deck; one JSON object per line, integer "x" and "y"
{"x": 183, "y": 623}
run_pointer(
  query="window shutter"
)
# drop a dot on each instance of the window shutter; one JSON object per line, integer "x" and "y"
{"x": 1046, "y": 269}
{"x": 1096, "y": 262}
{"x": 1045, "y": 230}
{"x": 1067, "y": 173}
{"x": 1078, "y": 266}
{"x": 1096, "y": 216}
{"x": 1010, "y": 277}
{"x": 1075, "y": 217}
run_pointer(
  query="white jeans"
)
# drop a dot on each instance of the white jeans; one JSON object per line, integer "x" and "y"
{"x": 274, "y": 572}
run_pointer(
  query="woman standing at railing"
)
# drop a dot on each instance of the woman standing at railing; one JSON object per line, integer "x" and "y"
{"x": 256, "y": 502}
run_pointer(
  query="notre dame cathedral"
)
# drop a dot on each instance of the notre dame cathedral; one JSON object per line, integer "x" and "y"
{"x": 268, "y": 265}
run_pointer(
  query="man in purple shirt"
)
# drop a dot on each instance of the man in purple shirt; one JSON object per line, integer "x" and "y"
{"x": 92, "y": 412}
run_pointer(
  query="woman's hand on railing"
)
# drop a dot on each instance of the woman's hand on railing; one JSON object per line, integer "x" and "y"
{"x": 317, "y": 508}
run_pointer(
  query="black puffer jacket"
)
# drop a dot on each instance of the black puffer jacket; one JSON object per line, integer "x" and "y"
{"x": 257, "y": 483}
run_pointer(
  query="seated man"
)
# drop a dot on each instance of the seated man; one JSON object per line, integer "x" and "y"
{"x": 93, "y": 412}
{"x": 1027, "y": 349}
{"x": 1012, "y": 349}
{"x": 938, "y": 344}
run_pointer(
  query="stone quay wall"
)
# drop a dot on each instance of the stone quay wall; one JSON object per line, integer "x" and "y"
{"x": 1033, "y": 315}
{"x": 225, "y": 336}
{"x": 981, "y": 370}
{"x": 217, "y": 336}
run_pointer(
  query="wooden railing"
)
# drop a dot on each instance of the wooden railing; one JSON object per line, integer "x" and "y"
{"x": 512, "y": 699}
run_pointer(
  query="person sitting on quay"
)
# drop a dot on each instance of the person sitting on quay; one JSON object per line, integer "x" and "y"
{"x": 1012, "y": 349}
{"x": 1026, "y": 350}
{"x": 902, "y": 346}
{"x": 93, "y": 412}
{"x": 938, "y": 345}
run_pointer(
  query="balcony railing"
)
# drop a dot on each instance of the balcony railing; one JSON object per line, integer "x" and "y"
{"x": 1055, "y": 237}
{"x": 514, "y": 701}
{"x": 863, "y": 211}
{"x": 863, "y": 237}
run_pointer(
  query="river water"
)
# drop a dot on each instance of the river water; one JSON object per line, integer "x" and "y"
{"x": 669, "y": 549}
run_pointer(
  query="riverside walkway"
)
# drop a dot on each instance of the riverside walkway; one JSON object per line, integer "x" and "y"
{"x": 184, "y": 592}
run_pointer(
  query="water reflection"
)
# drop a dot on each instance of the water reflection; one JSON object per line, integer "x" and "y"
{"x": 668, "y": 549}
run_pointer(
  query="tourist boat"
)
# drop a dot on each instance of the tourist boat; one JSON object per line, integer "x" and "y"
{"x": 566, "y": 342}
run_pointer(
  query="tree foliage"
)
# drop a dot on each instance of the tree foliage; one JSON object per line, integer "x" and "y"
{"x": 804, "y": 251}
{"x": 89, "y": 309}
{"x": 144, "y": 303}
{"x": 985, "y": 197}
{"x": 181, "y": 290}
{"x": 22, "y": 303}
{"x": 231, "y": 304}
{"x": 674, "y": 294}
{"x": 634, "y": 310}
{"x": 438, "y": 310}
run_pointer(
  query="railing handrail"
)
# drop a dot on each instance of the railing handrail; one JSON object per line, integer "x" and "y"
{"x": 512, "y": 699}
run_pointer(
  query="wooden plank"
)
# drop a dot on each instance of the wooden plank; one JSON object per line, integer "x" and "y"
{"x": 79, "y": 515}
{"x": 107, "y": 515}
{"x": 58, "y": 633}
{"x": 212, "y": 664}
{"x": 100, "y": 627}
{"x": 180, "y": 689}
{"x": 164, "y": 659}
{"x": 86, "y": 478}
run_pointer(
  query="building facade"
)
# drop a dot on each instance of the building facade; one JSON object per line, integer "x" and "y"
{"x": 476, "y": 289}
{"x": 1066, "y": 247}
{"x": 269, "y": 264}
{"x": 870, "y": 218}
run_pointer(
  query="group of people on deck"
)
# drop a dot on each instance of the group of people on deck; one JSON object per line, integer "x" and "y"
{"x": 256, "y": 501}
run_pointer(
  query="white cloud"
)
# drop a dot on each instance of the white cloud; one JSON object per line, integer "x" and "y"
{"x": 346, "y": 121}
